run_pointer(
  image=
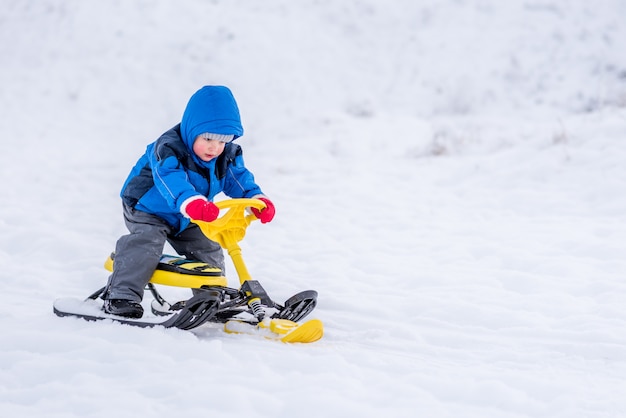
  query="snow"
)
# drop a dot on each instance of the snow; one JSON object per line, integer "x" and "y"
{"x": 448, "y": 175}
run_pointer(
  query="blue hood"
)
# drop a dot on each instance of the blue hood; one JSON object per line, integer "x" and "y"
{"x": 211, "y": 109}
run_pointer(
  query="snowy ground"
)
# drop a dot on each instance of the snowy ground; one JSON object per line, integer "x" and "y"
{"x": 449, "y": 175}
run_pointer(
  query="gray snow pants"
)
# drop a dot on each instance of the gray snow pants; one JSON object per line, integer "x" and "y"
{"x": 137, "y": 254}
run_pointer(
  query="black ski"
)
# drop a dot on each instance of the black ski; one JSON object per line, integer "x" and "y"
{"x": 197, "y": 310}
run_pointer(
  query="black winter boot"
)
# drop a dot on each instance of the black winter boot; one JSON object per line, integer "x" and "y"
{"x": 123, "y": 307}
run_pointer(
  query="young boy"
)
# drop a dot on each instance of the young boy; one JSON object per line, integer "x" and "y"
{"x": 173, "y": 182}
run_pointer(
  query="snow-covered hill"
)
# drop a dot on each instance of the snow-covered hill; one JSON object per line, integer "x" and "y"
{"x": 449, "y": 175}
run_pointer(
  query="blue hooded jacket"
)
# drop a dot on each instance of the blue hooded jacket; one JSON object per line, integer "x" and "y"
{"x": 169, "y": 172}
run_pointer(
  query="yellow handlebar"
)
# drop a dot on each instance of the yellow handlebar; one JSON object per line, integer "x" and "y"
{"x": 230, "y": 228}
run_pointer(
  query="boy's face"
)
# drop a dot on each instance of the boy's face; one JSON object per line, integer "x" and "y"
{"x": 207, "y": 149}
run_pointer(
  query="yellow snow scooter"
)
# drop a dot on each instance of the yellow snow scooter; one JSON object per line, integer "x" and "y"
{"x": 247, "y": 309}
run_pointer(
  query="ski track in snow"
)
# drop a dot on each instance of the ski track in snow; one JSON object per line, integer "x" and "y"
{"x": 448, "y": 175}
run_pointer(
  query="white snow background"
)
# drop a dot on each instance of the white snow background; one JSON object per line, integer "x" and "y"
{"x": 449, "y": 175}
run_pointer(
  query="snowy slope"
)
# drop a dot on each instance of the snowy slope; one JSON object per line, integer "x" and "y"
{"x": 449, "y": 175}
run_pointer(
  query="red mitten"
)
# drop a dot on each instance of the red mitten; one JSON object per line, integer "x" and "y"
{"x": 266, "y": 214}
{"x": 202, "y": 210}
